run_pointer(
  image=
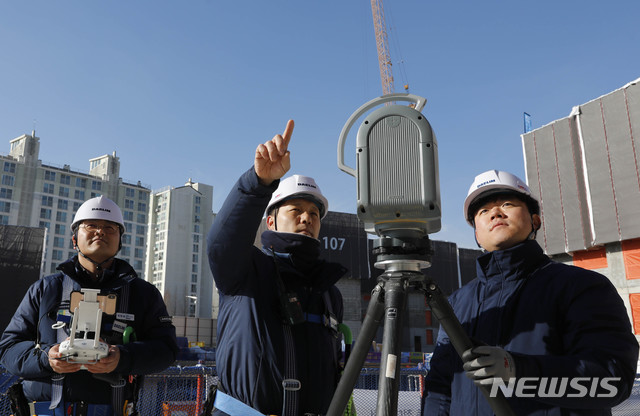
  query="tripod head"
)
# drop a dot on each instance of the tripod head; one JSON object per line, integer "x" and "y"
{"x": 406, "y": 253}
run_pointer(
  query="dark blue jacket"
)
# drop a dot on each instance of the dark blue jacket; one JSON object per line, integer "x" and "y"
{"x": 250, "y": 350}
{"x": 153, "y": 351}
{"x": 556, "y": 320}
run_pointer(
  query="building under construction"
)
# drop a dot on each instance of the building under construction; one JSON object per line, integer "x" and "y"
{"x": 585, "y": 168}
{"x": 20, "y": 261}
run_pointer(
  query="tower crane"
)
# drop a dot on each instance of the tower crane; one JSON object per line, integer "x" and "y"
{"x": 382, "y": 45}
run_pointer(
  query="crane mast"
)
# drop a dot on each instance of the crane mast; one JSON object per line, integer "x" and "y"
{"x": 384, "y": 57}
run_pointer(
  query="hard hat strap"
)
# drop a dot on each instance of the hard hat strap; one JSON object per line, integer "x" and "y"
{"x": 98, "y": 265}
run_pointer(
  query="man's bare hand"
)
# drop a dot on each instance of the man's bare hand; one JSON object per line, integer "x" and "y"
{"x": 273, "y": 158}
{"x": 106, "y": 364}
{"x": 59, "y": 364}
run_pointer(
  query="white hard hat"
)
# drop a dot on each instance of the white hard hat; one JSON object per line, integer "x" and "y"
{"x": 99, "y": 208}
{"x": 298, "y": 186}
{"x": 496, "y": 181}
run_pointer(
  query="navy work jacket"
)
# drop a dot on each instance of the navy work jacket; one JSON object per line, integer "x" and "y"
{"x": 556, "y": 320}
{"x": 154, "y": 350}
{"x": 250, "y": 352}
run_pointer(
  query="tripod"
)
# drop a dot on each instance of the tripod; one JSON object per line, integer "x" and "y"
{"x": 402, "y": 259}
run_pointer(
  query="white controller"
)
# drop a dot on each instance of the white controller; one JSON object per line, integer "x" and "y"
{"x": 83, "y": 351}
{"x": 87, "y": 317}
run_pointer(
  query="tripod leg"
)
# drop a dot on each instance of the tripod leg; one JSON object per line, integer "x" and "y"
{"x": 370, "y": 325}
{"x": 395, "y": 298}
{"x": 461, "y": 341}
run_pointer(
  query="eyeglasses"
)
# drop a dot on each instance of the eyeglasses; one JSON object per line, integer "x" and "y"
{"x": 106, "y": 228}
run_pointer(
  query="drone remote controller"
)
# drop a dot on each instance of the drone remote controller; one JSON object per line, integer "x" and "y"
{"x": 87, "y": 318}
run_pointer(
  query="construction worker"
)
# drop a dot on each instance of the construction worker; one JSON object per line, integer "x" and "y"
{"x": 558, "y": 333}
{"x": 30, "y": 346}
{"x": 277, "y": 351}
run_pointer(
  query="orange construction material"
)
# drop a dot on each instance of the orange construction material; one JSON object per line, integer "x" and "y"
{"x": 591, "y": 259}
{"x": 631, "y": 256}
{"x": 634, "y": 300}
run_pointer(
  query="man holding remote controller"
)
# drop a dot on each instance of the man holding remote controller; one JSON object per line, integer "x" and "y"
{"x": 139, "y": 336}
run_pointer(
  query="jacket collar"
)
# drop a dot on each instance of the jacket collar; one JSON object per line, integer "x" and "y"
{"x": 112, "y": 277}
{"x": 298, "y": 258}
{"x": 514, "y": 263}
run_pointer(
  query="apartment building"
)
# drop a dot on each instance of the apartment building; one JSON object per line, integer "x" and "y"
{"x": 177, "y": 263}
{"x": 34, "y": 194}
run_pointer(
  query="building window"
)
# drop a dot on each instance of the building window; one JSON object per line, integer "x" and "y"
{"x": 81, "y": 182}
{"x": 44, "y": 224}
{"x": 196, "y": 238}
{"x": 49, "y": 176}
{"x": 6, "y": 193}
{"x": 142, "y": 218}
{"x": 45, "y": 213}
{"x": 126, "y": 239}
{"x": 58, "y": 242}
{"x": 76, "y": 205}
{"x": 47, "y": 188}
{"x": 139, "y": 241}
{"x": 78, "y": 194}
{"x": 60, "y": 229}
{"x": 129, "y": 192}
{"x": 143, "y": 195}
{"x": 96, "y": 185}
{"x": 47, "y": 201}
{"x": 194, "y": 268}
{"x": 194, "y": 278}
{"x": 196, "y": 229}
{"x": 128, "y": 227}
{"x": 194, "y": 258}
{"x": 197, "y": 199}
{"x": 137, "y": 264}
{"x": 429, "y": 333}
{"x": 95, "y": 194}
{"x": 63, "y": 204}
{"x": 9, "y": 167}
{"x": 8, "y": 180}
{"x": 139, "y": 229}
{"x": 139, "y": 253}
{"x": 195, "y": 248}
{"x": 65, "y": 179}
{"x": 128, "y": 204}
{"x": 125, "y": 251}
{"x": 61, "y": 216}
{"x": 63, "y": 191}
{"x": 142, "y": 206}
{"x": 194, "y": 289}
{"x": 5, "y": 206}
{"x": 197, "y": 208}
{"x": 4, "y": 219}
{"x": 127, "y": 215}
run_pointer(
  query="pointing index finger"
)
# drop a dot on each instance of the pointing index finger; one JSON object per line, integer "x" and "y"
{"x": 288, "y": 131}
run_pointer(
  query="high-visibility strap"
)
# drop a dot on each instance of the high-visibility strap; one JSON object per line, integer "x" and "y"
{"x": 65, "y": 298}
{"x": 289, "y": 397}
{"x": 117, "y": 388}
{"x": 57, "y": 384}
{"x": 232, "y": 406}
{"x": 117, "y": 396}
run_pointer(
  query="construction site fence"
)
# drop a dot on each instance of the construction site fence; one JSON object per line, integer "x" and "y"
{"x": 182, "y": 391}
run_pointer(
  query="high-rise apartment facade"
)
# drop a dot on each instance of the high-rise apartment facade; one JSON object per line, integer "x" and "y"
{"x": 177, "y": 263}
{"x": 38, "y": 195}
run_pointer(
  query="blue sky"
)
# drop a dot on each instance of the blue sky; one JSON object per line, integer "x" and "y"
{"x": 184, "y": 89}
